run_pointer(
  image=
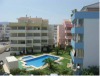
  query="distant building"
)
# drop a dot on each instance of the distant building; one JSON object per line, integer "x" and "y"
{"x": 4, "y": 31}
{"x": 53, "y": 34}
{"x": 68, "y": 36}
{"x": 85, "y": 34}
{"x": 61, "y": 36}
{"x": 29, "y": 34}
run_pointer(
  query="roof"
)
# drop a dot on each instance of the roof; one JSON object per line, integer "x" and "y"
{"x": 95, "y": 5}
{"x": 11, "y": 59}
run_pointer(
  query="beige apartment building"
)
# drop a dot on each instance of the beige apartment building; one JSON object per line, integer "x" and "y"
{"x": 29, "y": 34}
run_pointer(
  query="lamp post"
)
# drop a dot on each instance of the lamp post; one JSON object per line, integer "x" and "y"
{"x": 78, "y": 68}
{"x": 1, "y": 64}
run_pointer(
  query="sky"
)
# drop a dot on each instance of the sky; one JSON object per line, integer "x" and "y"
{"x": 54, "y": 10}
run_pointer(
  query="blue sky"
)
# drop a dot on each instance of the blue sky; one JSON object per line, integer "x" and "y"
{"x": 53, "y": 10}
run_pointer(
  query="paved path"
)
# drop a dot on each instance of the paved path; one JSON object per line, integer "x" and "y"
{"x": 4, "y": 55}
{"x": 6, "y": 68}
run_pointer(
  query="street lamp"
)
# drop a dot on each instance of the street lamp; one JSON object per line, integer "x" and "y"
{"x": 1, "y": 64}
{"x": 78, "y": 68}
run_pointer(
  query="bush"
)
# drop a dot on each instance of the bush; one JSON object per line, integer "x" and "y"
{"x": 18, "y": 72}
{"x": 37, "y": 72}
{"x": 91, "y": 70}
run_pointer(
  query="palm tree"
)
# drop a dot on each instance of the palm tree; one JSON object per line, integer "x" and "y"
{"x": 50, "y": 62}
{"x": 57, "y": 50}
{"x": 69, "y": 48}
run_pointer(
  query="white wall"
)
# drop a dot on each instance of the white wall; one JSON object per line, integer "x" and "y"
{"x": 91, "y": 42}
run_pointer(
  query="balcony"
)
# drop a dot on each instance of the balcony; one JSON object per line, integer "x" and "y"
{"x": 78, "y": 45}
{"x": 29, "y": 44}
{"x": 17, "y": 38}
{"x": 67, "y": 31}
{"x": 68, "y": 37}
{"x": 75, "y": 59}
{"x": 35, "y": 31}
{"x": 17, "y": 31}
{"x": 86, "y": 15}
{"x": 78, "y": 30}
{"x": 18, "y": 45}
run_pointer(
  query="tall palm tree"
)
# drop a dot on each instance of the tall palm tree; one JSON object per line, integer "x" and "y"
{"x": 57, "y": 50}
{"x": 50, "y": 62}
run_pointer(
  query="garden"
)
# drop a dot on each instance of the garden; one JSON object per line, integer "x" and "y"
{"x": 52, "y": 66}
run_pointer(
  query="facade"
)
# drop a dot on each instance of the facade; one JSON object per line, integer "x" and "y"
{"x": 4, "y": 31}
{"x": 61, "y": 35}
{"x": 51, "y": 35}
{"x": 85, "y": 40}
{"x": 55, "y": 35}
{"x": 68, "y": 36}
{"x": 29, "y": 34}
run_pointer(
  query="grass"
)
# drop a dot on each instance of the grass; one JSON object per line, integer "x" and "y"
{"x": 20, "y": 64}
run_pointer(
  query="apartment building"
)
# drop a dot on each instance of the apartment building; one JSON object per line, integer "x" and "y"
{"x": 51, "y": 34}
{"x": 4, "y": 31}
{"x": 68, "y": 36}
{"x": 61, "y": 36}
{"x": 85, "y": 40}
{"x": 55, "y": 35}
{"x": 29, "y": 34}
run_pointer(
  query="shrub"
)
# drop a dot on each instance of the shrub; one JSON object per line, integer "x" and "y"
{"x": 91, "y": 70}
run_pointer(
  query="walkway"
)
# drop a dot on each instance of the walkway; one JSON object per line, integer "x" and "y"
{"x": 6, "y": 68}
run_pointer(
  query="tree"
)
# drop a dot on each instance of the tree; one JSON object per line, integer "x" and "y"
{"x": 50, "y": 62}
{"x": 69, "y": 48}
{"x": 57, "y": 50}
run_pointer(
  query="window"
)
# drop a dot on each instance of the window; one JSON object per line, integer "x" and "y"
{"x": 69, "y": 34}
{"x": 21, "y": 41}
{"x": 21, "y": 34}
{"x": 29, "y": 41}
{"x": 36, "y": 41}
{"x": 80, "y": 37}
{"x": 14, "y": 28}
{"x": 29, "y": 28}
{"x": 68, "y": 28}
{"x": 36, "y": 28}
{"x": 36, "y": 34}
{"x": 21, "y": 28}
{"x": 80, "y": 53}
{"x": 44, "y": 34}
{"x": 29, "y": 34}
{"x": 0, "y": 28}
{"x": 13, "y": 34}
{"x": 81, "y": 22}
{"x": 21, "y": 48}
{"x": 44, "y": 41}
{"x": 13, "y": 48}
{"x": 44, "y": 28}
{"x": 36, "y": 47}
{"x": 13, "y": 41}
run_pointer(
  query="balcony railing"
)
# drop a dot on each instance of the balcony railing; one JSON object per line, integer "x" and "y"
{"x": 79, "y": 45}
{"x": 75, "y": 59}
{"x": 78, "y": 30}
